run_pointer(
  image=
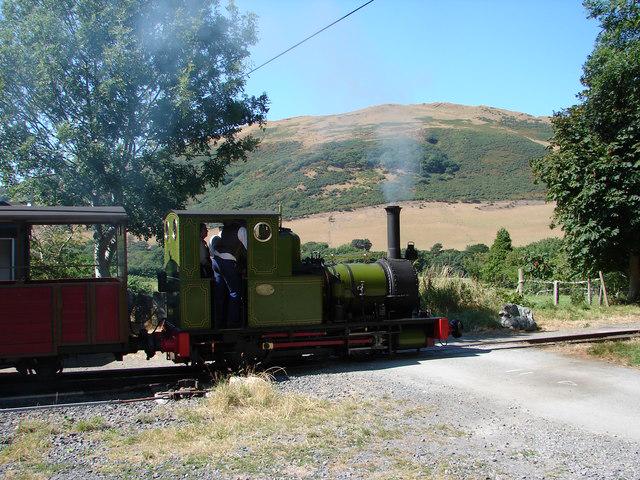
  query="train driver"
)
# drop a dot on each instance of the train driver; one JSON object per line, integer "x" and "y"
{"x": 229, "y": 259}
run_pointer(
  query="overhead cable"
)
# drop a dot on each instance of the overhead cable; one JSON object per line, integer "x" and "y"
{"x": 309, "y": 37}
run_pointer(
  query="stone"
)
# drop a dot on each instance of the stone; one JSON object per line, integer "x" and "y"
{"x": 517, "y": 317}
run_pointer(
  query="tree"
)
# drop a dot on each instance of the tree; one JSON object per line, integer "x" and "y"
{"x": 136, "y": 103}
{"x": 592, "y": 169}
{"x": 59, "y": 251}
{"x": 435, "y": 160}
{"x": 361, "y": 244}
{"x": 495, "y": 268}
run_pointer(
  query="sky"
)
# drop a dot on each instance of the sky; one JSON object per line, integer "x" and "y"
{"x": 522, "y": 55}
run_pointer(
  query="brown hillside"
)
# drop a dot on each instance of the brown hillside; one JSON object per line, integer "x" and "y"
{"x": 455, "y": 225}
{"x": 405, "y": 120}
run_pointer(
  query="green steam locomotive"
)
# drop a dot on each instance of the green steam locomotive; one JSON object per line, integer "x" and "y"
{"x": 290, "y": 306}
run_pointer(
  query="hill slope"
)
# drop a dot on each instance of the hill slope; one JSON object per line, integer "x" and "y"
{"x": 387, "y": 153}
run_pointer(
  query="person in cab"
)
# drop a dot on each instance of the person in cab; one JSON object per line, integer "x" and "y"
{"x": 206, "y": 270}
{"x": 229, "y": 261}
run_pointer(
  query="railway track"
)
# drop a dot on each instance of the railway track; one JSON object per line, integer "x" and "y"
{"x": 573, "y": 337}
{"x": 18, "y": 393}
{"x": 105, "y": 386}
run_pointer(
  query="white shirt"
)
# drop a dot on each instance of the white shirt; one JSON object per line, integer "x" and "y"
{"x": 242, "y": 236}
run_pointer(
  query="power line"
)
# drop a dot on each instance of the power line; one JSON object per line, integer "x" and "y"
{"x": 309, "y": 37}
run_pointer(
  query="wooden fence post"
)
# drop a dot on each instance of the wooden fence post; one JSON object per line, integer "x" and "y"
{"x": 556, "y": 293}
{"x": 600, "y": 295}
{"x": 520, "y": 288}
{"x": 604, "y": 289}
{"x": 588, "y": 291}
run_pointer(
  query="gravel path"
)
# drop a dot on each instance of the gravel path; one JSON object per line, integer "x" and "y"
{"x": 455, "y": 432}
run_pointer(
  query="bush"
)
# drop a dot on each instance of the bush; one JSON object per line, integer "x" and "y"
{"x": 144, "y": 259}
{"x": 347, "y": 253}
{"x": 436, "y": 161}
{"x": 361, "y": 244}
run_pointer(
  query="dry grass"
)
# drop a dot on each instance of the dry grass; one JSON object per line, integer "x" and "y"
{"x": 569, "y": 317}
{"x": 24, "y": 453}
{"x": 251, "y": 428}
{"x": 454, "y": 225}
{"x": 248, "y": 428}
{"x": 626, "y": 353}
{"x": 446, "y": 293}
{"x": 409, "y": 120}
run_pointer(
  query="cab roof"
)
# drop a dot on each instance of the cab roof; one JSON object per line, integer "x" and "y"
{"x": 225, "y": 214}
{"x": 62, "y": 215}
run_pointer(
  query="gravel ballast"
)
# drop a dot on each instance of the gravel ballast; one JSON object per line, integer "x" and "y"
{"x": 444, "y": 432}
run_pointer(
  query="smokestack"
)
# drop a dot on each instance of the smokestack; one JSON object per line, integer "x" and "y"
{"x": 393, "y": 231}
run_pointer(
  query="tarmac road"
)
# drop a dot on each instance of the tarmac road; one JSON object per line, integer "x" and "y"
{"x": 590, "y": 395}
{"x": 504, "y": 412}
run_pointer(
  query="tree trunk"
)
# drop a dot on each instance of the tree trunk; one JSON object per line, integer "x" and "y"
{"x": 634, "y": 278}
{"x": 103, "y": 236}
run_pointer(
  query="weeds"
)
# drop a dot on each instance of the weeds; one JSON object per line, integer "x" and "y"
{"x": 447, "y": 293}
{"x": 625, "y": 352}
{"x": 247, "y": 425}
{"x": 476, "y": 304}
{"x": 89, "y": 424}
{"x": 26, "y": 449}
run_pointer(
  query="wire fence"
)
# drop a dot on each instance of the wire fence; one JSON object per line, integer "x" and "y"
{"x": 590, "y": 290}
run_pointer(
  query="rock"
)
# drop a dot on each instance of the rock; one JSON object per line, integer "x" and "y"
{"x": 517, "y": 317}
{"x": 249, "y": 381}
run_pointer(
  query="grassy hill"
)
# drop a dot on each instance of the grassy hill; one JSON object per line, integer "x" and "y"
{"x": 388, "y": 153}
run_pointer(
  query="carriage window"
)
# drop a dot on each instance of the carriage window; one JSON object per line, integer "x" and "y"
{"x": 166, "y": 230}
{"x": 174, "y": 232}
{"x": 66, "y": 251}
{"x": 7, "y": 259}
{"x": 262, "y": 232}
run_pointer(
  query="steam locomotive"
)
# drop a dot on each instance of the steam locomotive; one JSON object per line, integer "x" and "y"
{"x": 290, "y": 306}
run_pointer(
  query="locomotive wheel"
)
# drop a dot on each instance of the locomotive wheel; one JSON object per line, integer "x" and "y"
{"x": 47, "y": 367}
{"x": 25, "y": 367}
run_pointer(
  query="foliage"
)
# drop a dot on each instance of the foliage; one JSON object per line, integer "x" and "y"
{"x": 126, "y": 102}
{"x": 60, "y": 251}
{"x": 361, "y": 244}
{"x": 592, "y": 169}
{"x": 496, "y": 268}
{"x": 436, "y": 161}
{"x": 347, "y": 253}
{"x": 455, "y": 260}
{"x": 544, "y": 260}
{"x": 141, "y": 285}
{"x": 144, "y": 259}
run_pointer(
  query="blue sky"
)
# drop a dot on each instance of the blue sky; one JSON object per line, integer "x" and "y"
{"x": 514, "y": 54}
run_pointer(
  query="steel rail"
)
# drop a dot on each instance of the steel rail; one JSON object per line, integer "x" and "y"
{"x": 571, "y": 337}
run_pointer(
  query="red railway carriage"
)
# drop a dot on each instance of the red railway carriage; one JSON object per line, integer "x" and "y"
{"x": 44, "y": 320}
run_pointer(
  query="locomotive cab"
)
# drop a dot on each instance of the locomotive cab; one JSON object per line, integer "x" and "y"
{"x": 274, "y": 291}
